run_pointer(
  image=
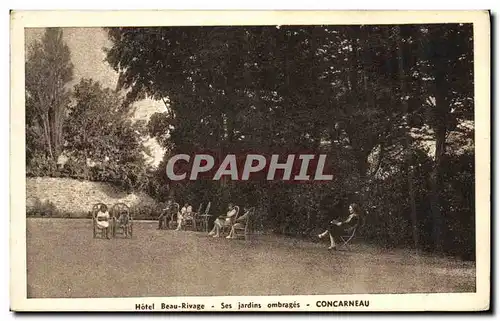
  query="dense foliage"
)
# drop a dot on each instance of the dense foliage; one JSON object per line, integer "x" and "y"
{"x": 48, "y": 71}
{"x": 85, "y": 132}
{"x": 375, "y": 98}
{"x": 392, "y": 106}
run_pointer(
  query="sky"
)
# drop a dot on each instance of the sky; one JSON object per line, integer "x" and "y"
{"x": 87, "y": 55}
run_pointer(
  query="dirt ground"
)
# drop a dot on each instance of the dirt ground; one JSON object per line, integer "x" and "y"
{"x": 65, "y": 261}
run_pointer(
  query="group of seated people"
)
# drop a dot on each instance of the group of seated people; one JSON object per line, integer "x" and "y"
{"x": 103, "y": 219}
{"x": 186, "y": 213}
{"x": 183, "y": 215}
{"x": 228, "y": 221}
{"x": 335, "y": 229}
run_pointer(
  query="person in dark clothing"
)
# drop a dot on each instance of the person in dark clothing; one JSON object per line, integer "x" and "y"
{"x": 164, "y": 213}
{"x": 337, "y": 228}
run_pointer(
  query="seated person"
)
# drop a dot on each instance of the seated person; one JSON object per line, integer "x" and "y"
{"x": 337, "y": 228}
{"x": 222, "y": 221}
{"x": 122, "y": 219}
{"x": 102, "y": 219}
{"x": 239, "y": 223}
{"x": 164, "y": 213}
{"x": 185, "y": 214}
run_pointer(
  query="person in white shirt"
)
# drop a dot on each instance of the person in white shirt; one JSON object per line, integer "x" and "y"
{"x": 185, "y": 214}
{"x": 223, "y": 221}
{"x": 239, "y": 223}
{"x": 102, "y": 219}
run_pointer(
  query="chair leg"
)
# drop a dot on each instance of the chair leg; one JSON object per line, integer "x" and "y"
{"x": 345, "y": 243}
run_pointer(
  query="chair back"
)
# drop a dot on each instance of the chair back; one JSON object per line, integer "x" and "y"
{"x": 353, "y": 230}
{"x": 121, "y": 211}
{"x": 96, "y": 208}
{"x": 174, "y": 210}
{"x": 160, "y": 207}
{"x": 361, "y": 223}
{"x": 235, "y": 216}
{"x": 249, "y": 214}
{"x": 207, "y": 209}
{"x": 198, "y": 212}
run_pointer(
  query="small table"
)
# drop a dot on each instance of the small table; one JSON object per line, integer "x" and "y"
{"x": 205, "y": 221}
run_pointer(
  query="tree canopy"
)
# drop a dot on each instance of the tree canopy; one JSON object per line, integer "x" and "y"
{"x": 90, "y": 127}
{"x": 372, "y": 97}
{"x": 391, "y": 105}
{"x": 48, "y": 72}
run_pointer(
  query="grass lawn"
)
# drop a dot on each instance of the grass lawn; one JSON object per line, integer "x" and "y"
{"x": 63, "y": 260}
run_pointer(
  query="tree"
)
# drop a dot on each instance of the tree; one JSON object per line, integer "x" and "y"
{"x": 48, "y": 71}
{"x": 453, "y": 91}
{"x": 358, "y": 93}
{"x": 444, "y": 90}
{"x": 100, "y": 132}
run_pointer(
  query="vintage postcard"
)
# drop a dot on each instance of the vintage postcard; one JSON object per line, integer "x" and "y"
{"x": 246, "y": 161}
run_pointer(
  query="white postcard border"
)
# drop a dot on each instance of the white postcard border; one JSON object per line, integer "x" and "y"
{"x": 377, "y": 302}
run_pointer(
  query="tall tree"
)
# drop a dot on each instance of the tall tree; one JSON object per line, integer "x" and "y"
{"x": 100, "y": 132}
{"x": 445, "y": 88}
{"x": 358, "y": 93}
{"x": 48, "y": 71}
{"x": 403, "y": 78}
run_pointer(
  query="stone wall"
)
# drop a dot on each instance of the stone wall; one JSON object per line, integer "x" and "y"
{"x": 78, "y": 196}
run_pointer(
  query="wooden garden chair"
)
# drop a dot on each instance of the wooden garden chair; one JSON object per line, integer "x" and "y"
{"x": 198, "y": 219}
{"x": 204, "y": 217}
{"x": 122, "y": 220}
{"x": 98, "y": 230}
{"x": 172, "y": 217}
{"x": 191, "y": 221}
{"x": 162, "y": 209}
{"x": 195, "y": 221}
{"x": 165, "y": 214}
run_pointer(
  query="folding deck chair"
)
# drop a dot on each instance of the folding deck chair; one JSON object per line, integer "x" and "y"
{"x": 351, "y": 235}
{"x": 227, "y": 228}
{"x": 243, "y": 228}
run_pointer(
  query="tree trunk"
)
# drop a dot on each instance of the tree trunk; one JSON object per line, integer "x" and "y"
{"x": 408, "y": 143}
{"x": 439, "y": 121}
{"x": 47, "y": 137}
{"x": 54, "y": 121}
{"x": 436, "y": 186}
{"x": 413, "y": 206}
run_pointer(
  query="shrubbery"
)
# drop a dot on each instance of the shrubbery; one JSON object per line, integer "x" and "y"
{"x": 145, "y": 212}
{"x": 40, "y": 165}
{"x": 47, "y": 208}
{"x": 42, "y": 209}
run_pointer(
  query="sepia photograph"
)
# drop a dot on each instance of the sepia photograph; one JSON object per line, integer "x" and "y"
{"x": 291, "y": 163}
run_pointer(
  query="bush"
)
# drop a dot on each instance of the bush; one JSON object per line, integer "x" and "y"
{"x": 40, "y": 165}
{"x": 42, "y": 209}
{"x": 74, "y": 169}
{"x": 145, "y": 212}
